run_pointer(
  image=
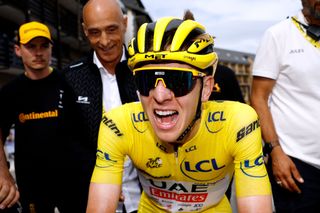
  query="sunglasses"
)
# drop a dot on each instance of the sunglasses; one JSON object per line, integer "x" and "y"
{"x": 180, "y": 81}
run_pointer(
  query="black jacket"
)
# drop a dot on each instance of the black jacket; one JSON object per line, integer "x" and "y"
{"x": 84, "y": 110}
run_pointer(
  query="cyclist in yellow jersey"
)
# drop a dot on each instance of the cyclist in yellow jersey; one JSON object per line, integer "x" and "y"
{"x": 185, "y": 148}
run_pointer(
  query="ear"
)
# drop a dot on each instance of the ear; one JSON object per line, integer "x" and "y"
{"x": 84, "y": 29}
{"x": 208, "y": 83}
{"x": 17, "y": 50}
{"x": 125, "y": 22}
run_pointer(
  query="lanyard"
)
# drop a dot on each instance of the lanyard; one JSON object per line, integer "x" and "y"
{"x": 311, "y": 40}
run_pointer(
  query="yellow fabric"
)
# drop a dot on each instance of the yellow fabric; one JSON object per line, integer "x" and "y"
{"x": 194, "y": 177}
{"x": 31, "y": 30}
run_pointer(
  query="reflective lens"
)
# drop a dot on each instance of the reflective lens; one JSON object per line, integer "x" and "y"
{"x": 179, "y": 81}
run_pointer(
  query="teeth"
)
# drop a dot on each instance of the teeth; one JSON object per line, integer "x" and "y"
{"x": 164, "y": 113}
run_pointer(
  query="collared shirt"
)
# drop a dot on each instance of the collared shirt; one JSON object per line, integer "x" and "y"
{"x": 111, "y": 99}
{"x": 110, "y": 94}
{"x": 286, "y": 56}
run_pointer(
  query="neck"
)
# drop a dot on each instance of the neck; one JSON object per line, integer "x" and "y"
{"x": 38, "y": 74}
{"x": 312, "y": 21}
{"x": 309, "y": 17}
{"x": 110, "y": 67}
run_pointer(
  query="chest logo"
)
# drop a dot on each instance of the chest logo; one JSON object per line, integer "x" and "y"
{"x": 209, "y": 169}
{"x": 154, "y": 163}
{"x": 83, "y": 100}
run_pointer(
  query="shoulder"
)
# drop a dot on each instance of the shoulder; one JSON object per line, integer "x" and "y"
{"x": 280, "y": 28}
{"x": 81, "y": 70}
{"x": 124, "y": 112}
{"x": 126, "y": 120}
{"x": 84, "y": 63}
{"x": 14, "y": 84}
{"x": 233, "y": 112}
{"x": 230, "y": 106}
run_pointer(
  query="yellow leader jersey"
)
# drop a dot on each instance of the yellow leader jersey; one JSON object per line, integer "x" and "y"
{"x": 194, "y": 176}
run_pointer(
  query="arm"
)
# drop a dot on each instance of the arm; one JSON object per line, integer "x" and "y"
{"x": 9, "y": 193}
{"x": 283, "y": 168}
{"x": 103, "y": 198}
{"x": 253, "y": 204}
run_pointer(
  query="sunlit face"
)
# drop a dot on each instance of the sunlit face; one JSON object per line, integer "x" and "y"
{"x": 36, "y": 54}
{"x": 170, "y": 115}
{"x": 105, "y": 31}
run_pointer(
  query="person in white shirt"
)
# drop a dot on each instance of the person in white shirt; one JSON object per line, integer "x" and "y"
{"x": 286, "y": 95}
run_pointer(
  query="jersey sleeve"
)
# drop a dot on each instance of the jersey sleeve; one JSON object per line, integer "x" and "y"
{"x": 251, "y": 177}
{"x": 111, "y": 149}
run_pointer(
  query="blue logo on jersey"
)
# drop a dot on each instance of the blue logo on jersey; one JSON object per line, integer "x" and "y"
{"x": 140, "y": 117}
{"x": 137, "y": 120}
{"x": 216, "y": 116}
{"x": 212, "y": 118}
{"x": 104, "y": 160}
{"x": 246, "y": 165}
{"x": 192, "y": 169}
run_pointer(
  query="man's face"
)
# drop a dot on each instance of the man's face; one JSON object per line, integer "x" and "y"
{"x": 170, "y": 115}
{"x": 36, "y": 54}
{"x": 105, "y": 32}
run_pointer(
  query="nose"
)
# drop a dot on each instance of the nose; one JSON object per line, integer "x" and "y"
{"x": 104, "y": 40}
{"x": 38, "y": 51}
{"x": 161, "y": 93}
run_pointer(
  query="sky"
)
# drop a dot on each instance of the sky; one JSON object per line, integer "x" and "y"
{"x": 237, "y": 24}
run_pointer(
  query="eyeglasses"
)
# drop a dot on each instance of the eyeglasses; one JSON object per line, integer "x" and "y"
{"x": 180, "y": 81}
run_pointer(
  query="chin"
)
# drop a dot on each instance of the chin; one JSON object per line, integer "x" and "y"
{"x": 167, "y": 137}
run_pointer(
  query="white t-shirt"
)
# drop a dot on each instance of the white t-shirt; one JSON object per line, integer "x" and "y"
{"x": 286, "y": 56}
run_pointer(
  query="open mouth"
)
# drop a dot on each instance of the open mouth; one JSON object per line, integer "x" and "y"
{"x": 166, "y": 118}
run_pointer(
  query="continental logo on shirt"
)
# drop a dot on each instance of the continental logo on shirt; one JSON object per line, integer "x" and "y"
{"x": 37, "y": 115}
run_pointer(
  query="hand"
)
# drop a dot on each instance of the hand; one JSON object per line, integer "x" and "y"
{"x": 284, "y": 170}
{"x": 9, "y": 193}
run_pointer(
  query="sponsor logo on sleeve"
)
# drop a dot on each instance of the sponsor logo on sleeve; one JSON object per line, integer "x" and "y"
{"x": 247, "y": 130}
{"x": 111, "y": 125}
{"x": 247, "y": 165}
{"x": 104, "y": 160}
